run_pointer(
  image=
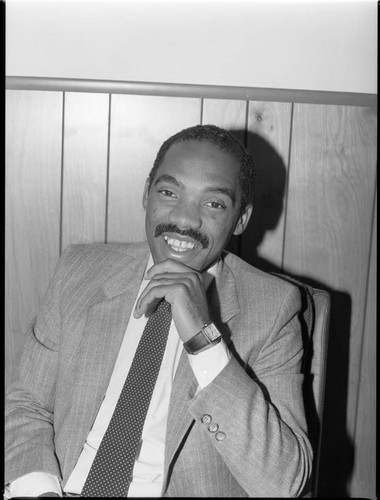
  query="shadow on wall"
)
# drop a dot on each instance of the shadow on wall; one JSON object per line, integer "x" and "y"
{"x": 337, "y": 452}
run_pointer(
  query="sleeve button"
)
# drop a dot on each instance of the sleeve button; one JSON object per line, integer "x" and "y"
{"x": 213, "y": 427}
{"x": 219, "y": 436}
{"x": 206, "y": 419}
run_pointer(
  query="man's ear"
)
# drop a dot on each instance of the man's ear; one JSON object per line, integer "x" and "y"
{"x": 145, "y": 194}
{"x": 243, "y": 220}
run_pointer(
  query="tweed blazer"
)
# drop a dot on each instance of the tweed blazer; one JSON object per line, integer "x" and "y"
{"x": 261, "y": 446}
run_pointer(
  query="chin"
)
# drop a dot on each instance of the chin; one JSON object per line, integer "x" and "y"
{"x": 161, "y": 251}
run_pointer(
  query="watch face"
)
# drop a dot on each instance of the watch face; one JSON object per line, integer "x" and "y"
{"x": 211, "y": 332}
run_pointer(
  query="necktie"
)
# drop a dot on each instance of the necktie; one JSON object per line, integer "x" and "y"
{"x": 111, "y": 471}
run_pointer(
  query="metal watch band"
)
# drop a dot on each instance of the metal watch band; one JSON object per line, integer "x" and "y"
{"x": 206, "y": 338}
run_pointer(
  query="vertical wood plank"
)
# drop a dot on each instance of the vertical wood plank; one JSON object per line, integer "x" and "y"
{"x": 226, "y": 113}
{"x": 231, "y": 115}
{"x": 85, "y": 168}
{"x": 32, "y": 190}
{"x": 363, "y": 481}
{"x": 328, "y": 229}
{"x": 268, "y": 139}
{"x": 139, "y": 125}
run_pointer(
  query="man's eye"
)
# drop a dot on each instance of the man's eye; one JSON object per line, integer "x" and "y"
{"x": 216, "y": 204}
{"x": 166, "y": 192}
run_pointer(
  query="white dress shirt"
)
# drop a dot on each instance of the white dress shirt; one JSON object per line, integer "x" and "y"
{"x": 148, "y": 470}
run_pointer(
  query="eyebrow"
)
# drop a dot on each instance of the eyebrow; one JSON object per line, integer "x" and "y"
{"x": 167, "y": 178}
{"x": 172, "y": 180}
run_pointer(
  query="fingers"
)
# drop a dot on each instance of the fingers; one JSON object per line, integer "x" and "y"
{"x": 183, "y": 288}
{"x": 169, "y": 266}
{"x": 168, "y": 286}
{"x": 148, "y": 300}
{"x": 191, "y": 278}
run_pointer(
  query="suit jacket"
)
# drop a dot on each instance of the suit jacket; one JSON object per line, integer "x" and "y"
{"x": 261, "y": 448}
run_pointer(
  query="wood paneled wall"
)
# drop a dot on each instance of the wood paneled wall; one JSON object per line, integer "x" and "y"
{"x": 76, "y": 163}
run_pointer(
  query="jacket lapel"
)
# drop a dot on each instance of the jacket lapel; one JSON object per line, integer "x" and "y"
{"x": 108, "y": 314}
{"x": 224, "y": 305}
{"x": 179, "y": 419}
{"x": 222, "y": 294}
{"x": 126, "y": 274}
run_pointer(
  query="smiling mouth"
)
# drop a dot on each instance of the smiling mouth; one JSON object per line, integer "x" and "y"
{"x": 178, "y": 245}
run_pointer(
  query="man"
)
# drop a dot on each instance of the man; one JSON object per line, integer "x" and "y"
{"x": 226, "y": 415}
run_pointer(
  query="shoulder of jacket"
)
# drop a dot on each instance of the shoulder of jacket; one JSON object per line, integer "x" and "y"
{"x": 107, "y": 250}
{"x": 249, "y": 275}
{"x": 94, "y": 262}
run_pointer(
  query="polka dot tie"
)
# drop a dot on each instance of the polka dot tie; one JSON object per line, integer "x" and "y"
{"x": 111, "y": 471}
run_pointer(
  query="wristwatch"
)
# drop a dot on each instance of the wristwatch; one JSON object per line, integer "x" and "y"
{"x": 206, "y": 338}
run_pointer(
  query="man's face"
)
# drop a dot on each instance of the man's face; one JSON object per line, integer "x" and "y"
{"x": 193, "y": 205}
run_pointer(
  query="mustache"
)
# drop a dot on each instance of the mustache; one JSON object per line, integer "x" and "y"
{"x": 192, "y": 233}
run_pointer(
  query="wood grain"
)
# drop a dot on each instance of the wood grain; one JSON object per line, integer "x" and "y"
{"x": 32, "y": 189}
{"x": 85, "y": 168}
{"x": 139, "y": 125}
{"x": 363, "y": 481}
{"x": 328, "y": 227}
{"x": 268, "y": 139}
{"x": 227, "y": 114}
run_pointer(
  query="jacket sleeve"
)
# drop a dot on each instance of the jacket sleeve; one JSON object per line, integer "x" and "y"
{"x": 29, "y": 407}
{"x": 258, "y": 407}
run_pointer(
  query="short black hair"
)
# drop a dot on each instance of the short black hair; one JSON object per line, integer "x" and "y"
{"x": 224, "y": 141}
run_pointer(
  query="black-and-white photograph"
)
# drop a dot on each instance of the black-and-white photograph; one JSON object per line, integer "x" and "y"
{"x": 190, "y": 248}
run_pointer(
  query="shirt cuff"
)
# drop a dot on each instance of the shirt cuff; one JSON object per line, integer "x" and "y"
{"x": 32, "y": 485}
{"x": 209, "y": 363}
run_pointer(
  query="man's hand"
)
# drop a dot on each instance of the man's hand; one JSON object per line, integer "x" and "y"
{"x": 183, "y": 288}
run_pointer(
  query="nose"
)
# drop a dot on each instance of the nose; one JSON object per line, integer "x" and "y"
{"x": 186, "y": 215}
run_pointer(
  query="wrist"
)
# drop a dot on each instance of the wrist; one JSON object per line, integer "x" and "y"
{"x": 207, "y": 337}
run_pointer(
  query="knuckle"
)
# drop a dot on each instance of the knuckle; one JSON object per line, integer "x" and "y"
{"x": 183, "y": 288}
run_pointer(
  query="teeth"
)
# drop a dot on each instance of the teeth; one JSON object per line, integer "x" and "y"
{"x": 179, "y": 246}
